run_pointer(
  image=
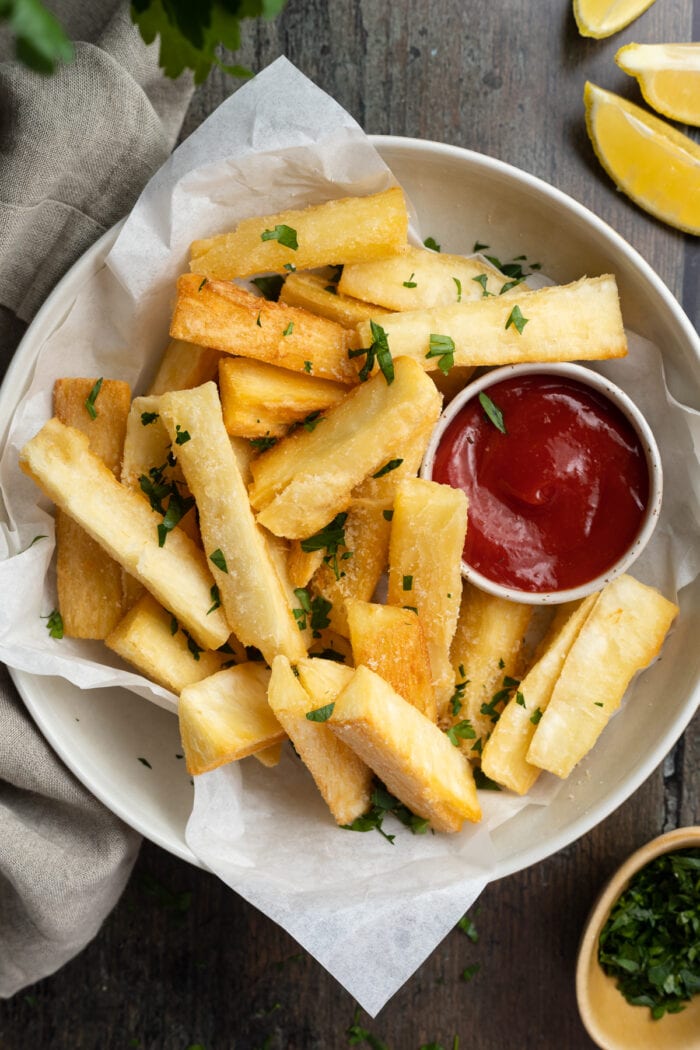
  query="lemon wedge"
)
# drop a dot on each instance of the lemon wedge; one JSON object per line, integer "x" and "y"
{"x": 599, "y": 18}
{"x": 668, "y": 75}
{"x": 655, "y": 165}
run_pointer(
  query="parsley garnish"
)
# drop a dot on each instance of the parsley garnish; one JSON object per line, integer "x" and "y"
{"x": 378, "y": 351}
{"x": 91, "y": 398}
{"x": 263, "y": 443}
{"x": 270, "y": 286}
{"x": 308, "y": 366}
{"x": 54, "y": 624}
{"x": 312, "y": 612}
{"x": 516, "y": 319}
{"x": 467, "y": 926}
{"x": 410, "y": 283}
{"x": 215, "y": 598}
{"x": 258, "y": 321}
{"x": 202, "y": 283}
{"x": 483, "y": 782}
{"x": 470, "y": 971}
{"x": 431, "y": 243}
{"x": 384, "y": 803}
{"x": 492, "y": 412}
{"x": 312, "y": 421}
{"x": 388, "y": 467}
{"x": 289, "y": 329}
{"x": 520, "y": 699}
{"x": 387, "y": 515}
{"x": 321, "y": 714}
{"x": 181, "y": 436}
{"x": 536, "y": 716}
{"x": 290, "y": 267}
{"x": 463, "y": 730}
{"x": 511, "y": 284}
{"x": 442, "y": 347}
{"x": 458, "y": 286}
{"x": 407, "y": 583}
{"x": 192, "y": 645}
{"x": 145, "y": 762}
{"x": 148, "y": 417}
{"x": 479, "y": 247}
{"x": 457, "y": 698}
{"x": 357, "y": 1034}
{"x": 331, "y": 538}
{"x": 156, "y": 488}
{"x": 285, "y": 235}
{"x": 482, "y": 279}
{"x": 217, "y": 557}
{"x": 650, "y": 941}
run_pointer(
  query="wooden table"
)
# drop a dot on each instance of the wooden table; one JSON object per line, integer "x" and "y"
{"x": 182, "y": 961}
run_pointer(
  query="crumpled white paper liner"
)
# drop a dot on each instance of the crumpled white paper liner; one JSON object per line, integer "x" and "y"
{"x": 370, "y": 912}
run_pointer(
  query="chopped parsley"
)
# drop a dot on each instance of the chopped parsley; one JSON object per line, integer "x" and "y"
{"x": 463, "y": 730}
{"x": 357, "y": 1034}
{"x": 289, "y": 329}
{"x": 308, "y": 367}
{"x": 215, "y": 598}
{"x": 284, "y": 235}
{"x": 457, "y": 698}
{"x": 482, "y": 279}
{"x": 148, "y": 417}
{"x": 384, "y": 803}
{"x": 270, "y": 286}
{"x": 387, "y": 515}
{"x": 321, "y": 714}
{"x": 407, "y": 583}
{"x": 431, "y": 243}
{"x": 458, "y": 286}
{"x": 377, "y": 351}
{"x": 467, "y": 926}
{"x": 202, "y": 283}
{"x": 312, "y": 612}
{"x": 218, "y": 559}
{"x": 493, "y": 413}
{"x": 470, "y": 971}
{"x": 157, "y": 488}
{"x": 388, "y": 467}
{"x": 410, "y": 283}
{"x": 442, "y": 347}
{"x": 54, "y": 624}
{"x": 651, "y": 941}
{"x": 263, "y": 443}
{"x": 479, "y": 247}
{"x": 516, "y": 319}
{"x": 92, "y": 398}
{"x": 483, "y": 782}
{"x": 181, "y": 436}
{"x": 290, "y": 267}
{"x": 330, "y": 539}
{"x": 536, "y": 716}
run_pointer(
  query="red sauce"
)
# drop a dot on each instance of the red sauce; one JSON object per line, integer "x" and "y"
{"x": 558, "y": 499}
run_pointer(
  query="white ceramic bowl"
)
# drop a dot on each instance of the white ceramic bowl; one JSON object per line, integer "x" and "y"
{"x": 461, "y": 197}
{"x": 639, "y": 424}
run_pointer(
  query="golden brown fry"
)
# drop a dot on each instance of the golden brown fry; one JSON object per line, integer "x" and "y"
{"x": 90, "y": 591}
{"x": 571, "y": 322}
{"x": 337, "y": 231}
{"x": 406, "y": 750}
{"x": 342, "y": 778}
{"x": 391, "y": 642}
{"x": 315, "y": 293}
{"x": 224, "y": 316}
{"x": 185, "y": 365}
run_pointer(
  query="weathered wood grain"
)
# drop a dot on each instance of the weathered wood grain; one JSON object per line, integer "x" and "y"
{"x": 167, "y": 971}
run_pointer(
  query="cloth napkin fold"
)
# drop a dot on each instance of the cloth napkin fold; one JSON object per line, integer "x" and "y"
{"x": 76, "y": 148}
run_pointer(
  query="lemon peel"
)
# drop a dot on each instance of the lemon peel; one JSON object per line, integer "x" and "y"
{"x": 650, "y": 161}
{"x": 601, "y": 18}
{"x": 668, "y": 76}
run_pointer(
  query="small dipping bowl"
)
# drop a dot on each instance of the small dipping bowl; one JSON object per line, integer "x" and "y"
{"x": 612, "y": 1022}
{"x": 610, "y": 397}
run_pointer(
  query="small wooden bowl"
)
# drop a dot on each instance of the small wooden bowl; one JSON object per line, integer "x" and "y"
{"x": 611, "y": 1022}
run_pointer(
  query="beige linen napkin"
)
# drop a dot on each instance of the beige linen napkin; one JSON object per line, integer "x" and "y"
{"x": 76, "y": 148}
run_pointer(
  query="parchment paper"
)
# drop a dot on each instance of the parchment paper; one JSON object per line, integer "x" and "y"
{"x": 370, "y": 912}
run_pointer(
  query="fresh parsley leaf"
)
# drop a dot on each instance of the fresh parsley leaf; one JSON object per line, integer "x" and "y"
{"x": 388, "y": 467}
{"x": 270, "y": 286}
{"x": 308, "y": 367}
{"x": 312, "y": 421}
{"x": 479, "y": 247}
{"x": 407, "y": 583}
{"x": 457, "y": 698}
{"x": 378, "y": 351}
{"x": 215, "y": 599}
{"x": 54, "y": 624}
{"x": 410, "y": 283}
{"x": 331, "y": 539}
{"x": 290, "y": 267}
{"x": 284, "y": 235}
{"x": 467, "y": 926}
{"x": 431, "y": 243}
{"x": 483, "y": 782}
{"x": 511, "y": 284}
{"x": 263, "y": 443}
{"x": 217, "y": 557}
{"x": 181, "y": 436}
{"x": 536, "y": 716}
{"x": 470, "y": 971}
{"x": 40, "y": 40}
{"x": 516, "y": 319}
{"x": 482, "y": 279}
{"x": 463, "y": 730}
{"x": 148, "y": 417}
{"x": 321, "y": 714}
{"x": 289, "y": 329}
{"x": 458, "y": 286}
{"x": 387, "y": 515}
{"x": 91, "y": 398}
{"x": 442, "y": 347}
{"x": 201, "y": 284}
{"x": 492, "y": 412}
{"x": 383, "y": 803}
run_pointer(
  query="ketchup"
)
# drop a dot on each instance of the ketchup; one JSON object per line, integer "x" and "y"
{"x": 557, "y": 499}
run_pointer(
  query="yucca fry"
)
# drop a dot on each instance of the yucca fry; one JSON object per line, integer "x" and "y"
{"x": 623, "y": 632}
{"x": 337, "y": 231}
{"x": 59, "y": 460}
{"x": 504, "y": 756}
{"x": 342, "y": 778}
{"x": 269, "y": 756}
{"x": 322, "y": 679}
{"x": 417, "y": 279}
{"x": 252, "y": 592}
{"x": 306, "y": 479}
{"x": 90, "y": 592}
{"x": 425, "y": 556}
{"x": 184, "y": 365}
{"x": 367, "y": 531}
{"x": 571, "y": 322}
{"x": 301, "y": 564}
{"x": 391, "y": 642}
{"x": 406, "y": 750}
{"x": 226, "y": 717}
{"x": 221, "y": 315}
{"x": 487, "y": 653}
{"x": 315, "y": 293}
{"x": 151, "y": 640}
{"x": 261, "y": 400}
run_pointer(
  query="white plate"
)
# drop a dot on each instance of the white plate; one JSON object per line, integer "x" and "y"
{"x": 460, "y": 197}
